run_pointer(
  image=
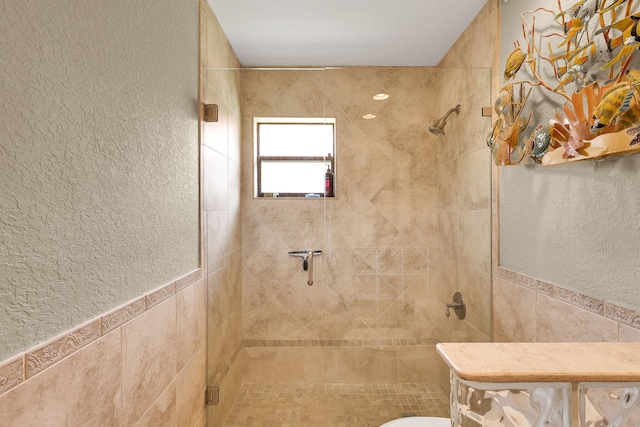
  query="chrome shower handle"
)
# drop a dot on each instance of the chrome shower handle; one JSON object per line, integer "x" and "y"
{"x": 309, "y": 260}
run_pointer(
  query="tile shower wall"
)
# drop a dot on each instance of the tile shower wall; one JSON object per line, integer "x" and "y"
{"x": 376, "y": 278}
{"x": 221, "y": 214}
{"x": 464, "y": 202}
{"x": 378, "y": 281}
{"x": 468, "y": 76}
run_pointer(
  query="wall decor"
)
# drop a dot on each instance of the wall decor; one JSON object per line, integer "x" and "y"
{"x": 583, "y": 59}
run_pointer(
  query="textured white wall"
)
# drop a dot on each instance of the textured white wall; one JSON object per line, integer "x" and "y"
{"x": 98, "y": 158}
{"x": 574, "y": 225}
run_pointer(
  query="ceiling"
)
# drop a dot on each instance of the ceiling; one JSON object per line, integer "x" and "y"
{"x": 343, "y": 32}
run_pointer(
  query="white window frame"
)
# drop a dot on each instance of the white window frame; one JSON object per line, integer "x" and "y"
{"x": 257, "y": 158}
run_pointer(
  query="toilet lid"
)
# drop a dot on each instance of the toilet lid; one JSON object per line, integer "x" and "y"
{"x": 419, "y": 422}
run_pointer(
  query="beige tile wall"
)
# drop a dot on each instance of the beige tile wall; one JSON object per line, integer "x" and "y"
{"x": 345, "y": 365}
{"x": 138, "y": 364}
{"x": 530, "y": 310}
{"x": 375, "y": 278}
{"x": 407, "y": 229}
{"x": 233, "y": 379}
{"x": 464, "y": 204}
{"x": 221, "y": 211}
{"x": 469, "y": 76}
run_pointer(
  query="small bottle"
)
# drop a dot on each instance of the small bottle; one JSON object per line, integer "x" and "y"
{"x": 328, "y": 182}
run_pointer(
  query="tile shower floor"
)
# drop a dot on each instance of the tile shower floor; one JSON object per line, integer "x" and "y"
{"x": 334, "y": 405}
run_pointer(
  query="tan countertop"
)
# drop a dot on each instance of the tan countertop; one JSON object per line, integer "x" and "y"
{"x": 543, "y": 362}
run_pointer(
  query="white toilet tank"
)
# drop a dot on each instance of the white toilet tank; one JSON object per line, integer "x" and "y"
{"x": 419, "y": 422}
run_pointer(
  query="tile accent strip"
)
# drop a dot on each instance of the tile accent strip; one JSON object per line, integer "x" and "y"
{"x": 337, "y": 343}
{"x": 18, "y": 369}
{"x": 11, "y": 374}
{"x": 160, "y": 295}
{"x": 41, "y": 358}
{"x": 187, "y": 280}
{"x": 122, "y": 315}
{"x": 599, "y": 306}
{"x": 595, "y": 305}
{"x": 622, "y": 315}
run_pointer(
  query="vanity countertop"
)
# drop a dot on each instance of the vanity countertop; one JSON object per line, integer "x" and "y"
{"x": 543, "y": 362}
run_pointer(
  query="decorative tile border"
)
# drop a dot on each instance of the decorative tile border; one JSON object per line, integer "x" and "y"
{"x": 122, "y": 315}
{"x": 189, "y": 279}
{"x": 595, "y": 305}
{"x": 160, "y": 295}
{"x": 11, "y": 374}
{"x": 526, "y": 281}
{"x": 337, "y": 343}
{"x": 41, "y": 358}
{"x": 18, "y": 369}
{"x": 622, "y": 315}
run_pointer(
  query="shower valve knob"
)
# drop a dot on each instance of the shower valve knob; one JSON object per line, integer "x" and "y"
{"x": 458, "y": 305}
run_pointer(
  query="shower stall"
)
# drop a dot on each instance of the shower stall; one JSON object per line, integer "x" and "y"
{"x": 409, "y": 226}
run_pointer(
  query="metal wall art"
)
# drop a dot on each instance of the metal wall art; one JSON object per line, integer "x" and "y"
{"x": 584, "y": 59}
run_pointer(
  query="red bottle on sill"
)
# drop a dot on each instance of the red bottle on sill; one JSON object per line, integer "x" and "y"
{"x": 328, "y": 182}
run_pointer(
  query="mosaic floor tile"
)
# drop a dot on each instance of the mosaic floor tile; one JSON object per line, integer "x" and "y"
{"x": 334, "y": 405}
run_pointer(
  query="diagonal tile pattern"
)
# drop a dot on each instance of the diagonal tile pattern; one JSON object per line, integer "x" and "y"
{"x": 378, "y": 236}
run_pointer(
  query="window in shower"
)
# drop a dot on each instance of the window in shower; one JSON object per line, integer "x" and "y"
{"x": 294, "y": 157}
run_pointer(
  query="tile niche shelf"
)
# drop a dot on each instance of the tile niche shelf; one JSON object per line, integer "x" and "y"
{"x": 550, "y": 384}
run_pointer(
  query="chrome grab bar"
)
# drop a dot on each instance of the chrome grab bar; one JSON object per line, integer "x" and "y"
{"x": 307, "y": 262}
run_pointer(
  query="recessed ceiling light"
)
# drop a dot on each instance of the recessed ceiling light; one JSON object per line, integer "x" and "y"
{"x": 369, "y": 116}
{"x": 381, "y": 96}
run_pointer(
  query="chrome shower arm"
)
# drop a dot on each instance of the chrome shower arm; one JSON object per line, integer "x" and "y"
{"x": 437, "y": 128}
{"x": 456, "y": 109}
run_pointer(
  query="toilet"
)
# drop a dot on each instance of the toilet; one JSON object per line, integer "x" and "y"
{"x": 419, "y": 422}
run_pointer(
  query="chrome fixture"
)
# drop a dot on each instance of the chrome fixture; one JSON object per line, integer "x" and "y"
{"x": 458, "y": 305}
{"x": 437, "y": 128}
{"x": 307, "y": 262}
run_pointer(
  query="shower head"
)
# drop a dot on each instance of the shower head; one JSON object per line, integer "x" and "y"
{"x": 437, "y": 128}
